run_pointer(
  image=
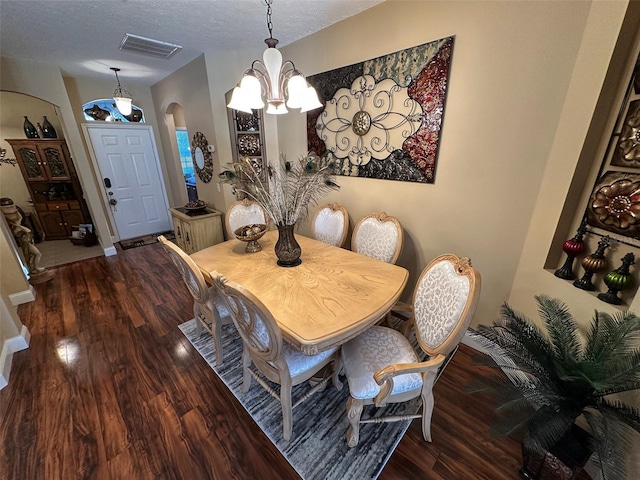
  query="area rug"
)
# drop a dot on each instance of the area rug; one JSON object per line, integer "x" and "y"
{"x": 144, "y": 240}
{"x": 317, "y": 449}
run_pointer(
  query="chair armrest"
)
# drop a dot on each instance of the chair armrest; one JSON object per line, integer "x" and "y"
{"x": 384, "y": 377}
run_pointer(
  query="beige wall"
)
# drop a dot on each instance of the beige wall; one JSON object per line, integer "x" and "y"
{"x": 187, "y": 87}
{"x": 45, "y": 82}
{"x": 512, "y": 66}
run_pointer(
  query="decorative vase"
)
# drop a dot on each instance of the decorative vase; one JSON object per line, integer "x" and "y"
{"x": 47, "y": 129}
{"x": 29, "y": 129}
{"x": 596, "y": 262}
{"x": 287, "y": 248}
{"x": 572, "y": 247}
{"x": 619, "y": 279}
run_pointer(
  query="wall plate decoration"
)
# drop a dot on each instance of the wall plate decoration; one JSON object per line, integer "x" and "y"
{"x": 382, "y": 118}
{"x": 614, "y": 204}
{"x": 201, "y": 156}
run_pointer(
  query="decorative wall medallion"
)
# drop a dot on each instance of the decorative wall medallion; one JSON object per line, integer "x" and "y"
{"x": 382, "y": 118}
{"x": 249, "y": 144}
{"x": 614, "y": 204}
{"x": 627, "y": 153}
{"x": 247, "y": 122}
{"x": 368, "y": 120}
{"x": 202, "y": 161}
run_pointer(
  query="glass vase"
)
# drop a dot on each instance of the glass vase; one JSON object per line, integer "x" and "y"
{"x": 287, "y": 248}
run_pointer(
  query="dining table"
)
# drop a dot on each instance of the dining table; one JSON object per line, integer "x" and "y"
{"x": 331, "y": 297}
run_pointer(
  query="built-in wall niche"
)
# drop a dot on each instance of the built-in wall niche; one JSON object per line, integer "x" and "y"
{"x": 604, "y": 242}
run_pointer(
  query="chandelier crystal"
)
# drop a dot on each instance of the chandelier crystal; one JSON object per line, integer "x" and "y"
{"x": 283, "y": 84}
{"x": 121, "y": 96}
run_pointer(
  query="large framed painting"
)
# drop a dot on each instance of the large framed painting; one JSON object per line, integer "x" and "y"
{"x": 382, "y": 118}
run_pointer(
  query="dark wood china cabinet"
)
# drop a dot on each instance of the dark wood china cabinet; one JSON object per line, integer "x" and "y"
{"x": 53, "y": 184}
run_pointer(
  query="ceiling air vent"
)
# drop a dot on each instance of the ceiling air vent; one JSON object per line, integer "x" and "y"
{"x": 148, "y": 46}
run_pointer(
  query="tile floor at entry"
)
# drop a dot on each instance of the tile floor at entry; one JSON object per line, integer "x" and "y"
{"x": 59, "y": 252}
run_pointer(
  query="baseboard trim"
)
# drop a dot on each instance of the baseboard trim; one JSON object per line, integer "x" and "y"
{"x": 9, "y": 347}
{"x": 25, "y": 296}
{"x": 109, "y": 251}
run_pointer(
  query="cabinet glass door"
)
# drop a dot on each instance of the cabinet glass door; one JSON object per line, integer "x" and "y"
{"x": 32, "y": 165}
{"x": 55, "y": 164}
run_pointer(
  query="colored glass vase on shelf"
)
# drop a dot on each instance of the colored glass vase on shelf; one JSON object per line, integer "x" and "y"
{"x": 47, "y": 129}
{"x": 618, "y": 280}
{"x": 594, "y": 263}
{"x": 572, "y": 247}
{"x": 29, "y": 129}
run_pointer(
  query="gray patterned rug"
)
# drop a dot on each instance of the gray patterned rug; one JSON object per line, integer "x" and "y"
{"x": 317, "y": 449}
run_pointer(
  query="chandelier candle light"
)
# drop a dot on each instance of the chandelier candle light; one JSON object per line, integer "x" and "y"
{"x": 121, "y": 96}
{"x": 277, "y": 78}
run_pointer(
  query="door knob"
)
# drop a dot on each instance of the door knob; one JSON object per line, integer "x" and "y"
{"x": 113, "y": 201}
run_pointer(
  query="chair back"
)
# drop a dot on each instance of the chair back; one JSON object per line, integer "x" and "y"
{"x": 379, "y": 236}
{"x": 255, "y": 323}
{"x": 331, "y": 224}
{"x": 191, "y": 274}
{"x": 241, "y": 213}
{"x": 444, "y": 301}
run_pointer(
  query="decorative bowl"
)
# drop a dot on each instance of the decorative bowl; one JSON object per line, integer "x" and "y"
{"x": 197, "y": 205}
{"x": 251, "y": 234}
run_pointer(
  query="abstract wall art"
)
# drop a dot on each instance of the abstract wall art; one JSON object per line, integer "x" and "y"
{"x": 382, "y": 118}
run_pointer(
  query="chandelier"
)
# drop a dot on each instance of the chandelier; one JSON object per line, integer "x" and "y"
{"x": 274, "y": 78}
{"x": 122, "y": 97}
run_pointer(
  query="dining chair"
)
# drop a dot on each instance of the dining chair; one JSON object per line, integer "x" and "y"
{"x": 266, "y": 356}
{"x": 381, "y": 365}
{"x": 208, "y": 310}
{"x": 330, "y": 224}
{"x": 244, "y": 212}
{"x": 379, "y": 236}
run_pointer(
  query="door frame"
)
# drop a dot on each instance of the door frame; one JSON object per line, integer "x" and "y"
{"x": 115, "y": 237}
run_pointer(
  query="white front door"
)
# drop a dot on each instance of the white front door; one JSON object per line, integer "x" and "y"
{"x": 131, "y": 178}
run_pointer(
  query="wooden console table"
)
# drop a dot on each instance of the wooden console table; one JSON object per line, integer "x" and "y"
{"x": 196, "y": 230}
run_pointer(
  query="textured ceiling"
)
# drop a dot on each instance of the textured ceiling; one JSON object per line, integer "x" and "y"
{"x": 82, "y": 36}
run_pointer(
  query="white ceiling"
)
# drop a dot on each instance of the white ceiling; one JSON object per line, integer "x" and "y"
{"x": 82, "y": 36}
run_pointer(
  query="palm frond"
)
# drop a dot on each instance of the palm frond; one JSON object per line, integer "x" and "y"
{"x": 611, "y": 335}
{"x": 562, "y": 329}
{"x": 612, "y": 443}
{"x": 622, "y": 412}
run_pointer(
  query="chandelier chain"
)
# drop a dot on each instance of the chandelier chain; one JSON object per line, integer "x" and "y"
{"x": 269, "y": 23}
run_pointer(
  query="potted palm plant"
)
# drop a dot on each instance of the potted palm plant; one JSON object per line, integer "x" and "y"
{"x": 557, "y": 379}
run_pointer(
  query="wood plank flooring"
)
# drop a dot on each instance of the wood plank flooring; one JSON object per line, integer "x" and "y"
{"x": 111, "y": 389}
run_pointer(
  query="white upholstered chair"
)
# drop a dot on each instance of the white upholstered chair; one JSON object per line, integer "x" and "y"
{"x": 379, "y": 236}
{"x": 272, "y": 357}
{"x": 331, "y": 224}
{"x": 381, "y": 365}
{"x": 244, "y": 212}
{"x": 208, "y": 310}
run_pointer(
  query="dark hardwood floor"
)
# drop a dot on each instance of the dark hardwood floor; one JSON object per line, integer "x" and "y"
{"x": 111, "y": 389}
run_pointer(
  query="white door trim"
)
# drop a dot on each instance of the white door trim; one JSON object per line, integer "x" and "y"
{"x": 96, "y": 167}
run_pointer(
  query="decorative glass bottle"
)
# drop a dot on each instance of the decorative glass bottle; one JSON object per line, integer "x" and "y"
{"x": 47, "y": 129}
{"x": 29, "y": 129}
{"x": 572, "y": 247}
{"x": 596, "y": 262}
{"x": 287, "y": 249}
{"x": 619, "y": 279}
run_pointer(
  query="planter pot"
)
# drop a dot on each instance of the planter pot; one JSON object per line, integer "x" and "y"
{"x": 565, "y": 461}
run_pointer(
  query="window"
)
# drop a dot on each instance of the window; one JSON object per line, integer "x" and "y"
{"x": 105, "y": 109}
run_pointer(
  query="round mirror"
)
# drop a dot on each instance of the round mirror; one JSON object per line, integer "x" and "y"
{"x": 202, "y": 161}
{"x": 199, "y": 158}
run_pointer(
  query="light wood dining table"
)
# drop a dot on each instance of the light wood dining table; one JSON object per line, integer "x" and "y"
{"x": 331, "y": 297}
